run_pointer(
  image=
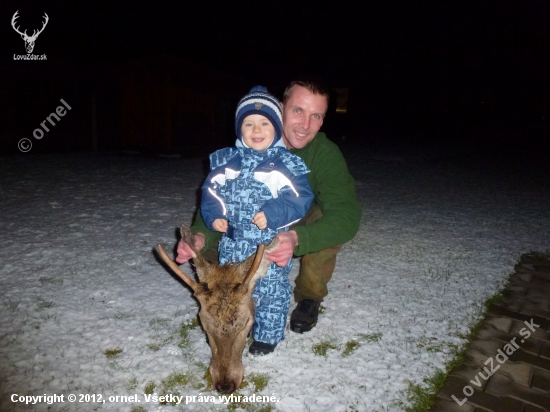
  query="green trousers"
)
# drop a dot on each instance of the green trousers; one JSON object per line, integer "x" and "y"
{"x": 315, "y": 269}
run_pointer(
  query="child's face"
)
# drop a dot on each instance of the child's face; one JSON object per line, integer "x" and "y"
{"x": 257, "y": 131}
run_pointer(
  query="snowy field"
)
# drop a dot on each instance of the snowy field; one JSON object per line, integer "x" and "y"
{"x": 86, "y": 308}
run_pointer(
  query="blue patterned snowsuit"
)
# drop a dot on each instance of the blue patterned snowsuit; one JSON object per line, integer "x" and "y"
{"x": 241, "y": 183}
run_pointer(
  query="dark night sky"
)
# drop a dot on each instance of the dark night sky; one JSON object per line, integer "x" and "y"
{"x": 391, "y": 54}
{"x": 389, "y": 36}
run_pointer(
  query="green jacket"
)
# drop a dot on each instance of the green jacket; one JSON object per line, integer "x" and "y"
{"x": 334, "y": 190}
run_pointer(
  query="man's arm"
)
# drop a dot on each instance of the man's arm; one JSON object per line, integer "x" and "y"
{"x": 334, "y": 190}
{"x": 199, "y": 227}
{"x": 281, "y": 255}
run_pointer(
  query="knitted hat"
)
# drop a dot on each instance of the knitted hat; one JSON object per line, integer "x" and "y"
{"x": 259, "y": 101}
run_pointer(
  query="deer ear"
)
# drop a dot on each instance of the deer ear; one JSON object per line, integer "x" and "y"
{"x": 203, "y": 268}
{"x": 256, "y": 265}
{"x": 247, "y": 264}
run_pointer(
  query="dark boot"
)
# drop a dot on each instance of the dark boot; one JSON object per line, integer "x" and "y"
{"x": 304, "y": 317}
{"x": 261, "y": 348}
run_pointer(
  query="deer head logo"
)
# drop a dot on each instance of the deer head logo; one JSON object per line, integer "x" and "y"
{"x": 29, "y": 40}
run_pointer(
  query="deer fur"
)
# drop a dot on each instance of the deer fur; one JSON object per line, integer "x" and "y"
{"x": 226, "y": 308}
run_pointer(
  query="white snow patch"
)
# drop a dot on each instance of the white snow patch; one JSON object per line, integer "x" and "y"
{"x": 79, "y": 276}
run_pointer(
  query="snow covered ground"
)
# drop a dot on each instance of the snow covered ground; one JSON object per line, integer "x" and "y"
{"x": 86, "y": 308}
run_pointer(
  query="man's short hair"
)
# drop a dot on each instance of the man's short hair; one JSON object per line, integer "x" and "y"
{"x": 314, "y": 86}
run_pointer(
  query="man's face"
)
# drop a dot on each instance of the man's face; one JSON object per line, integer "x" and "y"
{"x": 303, "y": 116}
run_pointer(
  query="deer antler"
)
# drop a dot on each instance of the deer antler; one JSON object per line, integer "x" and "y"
{"x": 192, "y": 284}
{"x": 255, "y": 265}
{"x": 15, "y": 16}
{"x": 34, "y": 35}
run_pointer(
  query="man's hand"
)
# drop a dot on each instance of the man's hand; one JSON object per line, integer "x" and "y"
{"x": 184, "y": 250}
{"x": 220, "y": 225}
{"x": 260, "y": 220}
{"x": 283, "y": 253}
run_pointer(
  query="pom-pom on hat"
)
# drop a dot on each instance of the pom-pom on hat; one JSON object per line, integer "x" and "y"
{"x": 259, "y": 101}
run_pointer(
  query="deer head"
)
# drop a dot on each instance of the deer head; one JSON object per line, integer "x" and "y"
{"x": 29, "y": 40}
{"x": 226, "y": 308}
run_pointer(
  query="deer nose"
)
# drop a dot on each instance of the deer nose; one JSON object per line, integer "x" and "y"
{"x": 225, "y": 387}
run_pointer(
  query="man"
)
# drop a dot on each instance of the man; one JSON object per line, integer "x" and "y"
{"x": 332, "y": 220}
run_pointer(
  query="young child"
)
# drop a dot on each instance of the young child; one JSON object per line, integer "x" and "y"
{"x": 254, "y": 191}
